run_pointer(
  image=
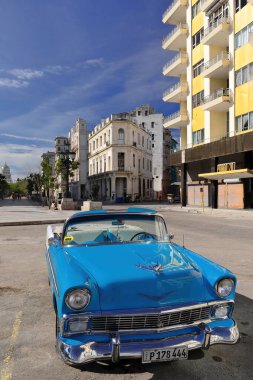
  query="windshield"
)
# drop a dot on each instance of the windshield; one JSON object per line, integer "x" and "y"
{"x": 107, "y": 229}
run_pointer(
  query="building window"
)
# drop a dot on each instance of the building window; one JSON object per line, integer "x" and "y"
{"x": 153, "y": 145}
{"x": 198, "y": 68}
{"x": 153, "y": 136}
{"x": 100, "y": 140}
{"x": 239, "y": 4}
{"x": 198, "y": 137}
{"x": 244, "y": 122}
{"x": 121, "y": 136}
{"x": 142, "y": 139}
{"x": 104, "y": 163}
{"x": 139, "y": 164}
{"x": 104, "y": 138}
{"x": 197, "y": 99}
{"x": 222, "y": 11}
{"x": 196, "y": 8}
{"x": 134, "y": 160}
{"x": 196, "y": 39}
{"x": 146, "y": 113}
{"x": 139, "y": 113}
{"x": 152, "y": 124}
{"x": 121, "y": 161}
{"x": 244, "y": 74}
{"x": 243, "y": 36}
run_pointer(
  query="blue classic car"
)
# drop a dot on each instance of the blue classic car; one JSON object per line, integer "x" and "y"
{"x": 122, "y": 289}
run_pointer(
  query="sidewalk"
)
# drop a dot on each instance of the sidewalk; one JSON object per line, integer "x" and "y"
{"x": 25, "y": 212}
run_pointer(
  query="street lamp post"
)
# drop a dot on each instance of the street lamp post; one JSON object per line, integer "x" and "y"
{"x": 67, "y": 157}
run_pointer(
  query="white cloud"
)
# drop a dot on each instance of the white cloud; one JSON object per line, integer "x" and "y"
{"x": 26, "y": 73}
{"x": 13, "y": 83}
{"x": 22, "y": 159}
{"x": 55, "y": 69}
{"x": 25, "y": 137}
{"x": 94, "y": 62}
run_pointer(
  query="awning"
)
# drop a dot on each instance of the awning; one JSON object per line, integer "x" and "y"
{"x": 239, "y": 173}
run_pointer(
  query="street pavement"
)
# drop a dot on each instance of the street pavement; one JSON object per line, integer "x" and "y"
{"x": 24, "y": 211}
{"x": 27, "y": 318}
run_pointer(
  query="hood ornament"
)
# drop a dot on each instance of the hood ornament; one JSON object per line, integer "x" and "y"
{"x": 157, "y": 268}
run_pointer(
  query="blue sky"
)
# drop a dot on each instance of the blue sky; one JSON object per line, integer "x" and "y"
{"x": 63, "y": 59}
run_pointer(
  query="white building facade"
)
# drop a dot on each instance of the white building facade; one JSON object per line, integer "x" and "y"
{"x": 61, "y": 146}
{"x": 120, "y": 160}
{"x": 78, "y": 137}
{"x": 146, "y": 117}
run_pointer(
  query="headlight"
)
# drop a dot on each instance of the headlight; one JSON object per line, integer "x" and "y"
{"x": 78, "y": 299}
{"x": 225, "y": 287}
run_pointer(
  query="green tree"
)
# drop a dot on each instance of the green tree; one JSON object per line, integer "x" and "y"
{"x": 47, "y": 180}
{"x": 66, "y": 167}
{"x": 4, "y": 186}
{"x": 20, "y": 186}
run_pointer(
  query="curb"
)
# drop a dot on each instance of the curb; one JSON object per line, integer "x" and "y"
{"x": 32, "y": 222}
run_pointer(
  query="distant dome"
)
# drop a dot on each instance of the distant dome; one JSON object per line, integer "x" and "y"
{"x": 6, "y": 172}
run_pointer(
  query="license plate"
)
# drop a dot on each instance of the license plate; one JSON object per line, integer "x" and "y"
{"x": 164, "y": 354}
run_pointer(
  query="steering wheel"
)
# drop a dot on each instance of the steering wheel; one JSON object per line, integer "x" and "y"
{"x": 143, "y": 236}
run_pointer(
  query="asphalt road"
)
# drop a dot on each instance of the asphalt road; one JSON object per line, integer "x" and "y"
{"x": 27, "y": 317}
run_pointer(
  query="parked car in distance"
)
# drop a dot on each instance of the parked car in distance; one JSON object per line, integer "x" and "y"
{"x": 121, "y": 288}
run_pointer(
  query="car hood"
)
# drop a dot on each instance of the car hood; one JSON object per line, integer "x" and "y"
{"x": 131, "y": 276}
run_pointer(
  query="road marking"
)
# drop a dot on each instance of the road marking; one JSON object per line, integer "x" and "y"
{"x": 6, "y": 372}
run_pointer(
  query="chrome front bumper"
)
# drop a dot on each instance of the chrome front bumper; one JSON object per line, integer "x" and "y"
{"x": 115, "y": 349}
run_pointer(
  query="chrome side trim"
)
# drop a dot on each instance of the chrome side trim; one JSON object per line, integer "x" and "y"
{"x": 52, "y": 273}
{"x": 149, "y": 311}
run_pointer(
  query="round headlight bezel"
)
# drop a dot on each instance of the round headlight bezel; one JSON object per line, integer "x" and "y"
{"x": 82, "y": 291}
{"x": 219, "y": 283}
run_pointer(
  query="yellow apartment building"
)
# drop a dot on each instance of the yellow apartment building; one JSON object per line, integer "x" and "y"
{"x": 212, "y": 43}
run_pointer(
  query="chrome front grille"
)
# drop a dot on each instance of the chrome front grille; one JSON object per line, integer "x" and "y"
{"x": 149, "y": 321}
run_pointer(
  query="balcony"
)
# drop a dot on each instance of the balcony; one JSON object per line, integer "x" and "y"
{"x": 176, "y": 93}
{"x": 176, "y": 12}
{"x": 218, "y": 101}
{"x": 217, "y": 67}
{"x": 176, "y": 120}
{"x": 176, "y": 40}
{"x": 207, "y": 5}
{"x": 222, "y": 147}
{"x": 177, "y": 65}
{"x": 217, "y": 33}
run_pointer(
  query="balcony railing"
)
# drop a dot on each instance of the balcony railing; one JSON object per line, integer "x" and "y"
{"x": 169, "y": 8}
{"x": 174, "y": 88}
{"x": 174, "y": 59}
{"x": 215, "y": 24}
{"x": 216, "y": 94}
{"x": 178, "y": 27}
{"x": 220, "y": 57}
{"x": 174, "y": 116}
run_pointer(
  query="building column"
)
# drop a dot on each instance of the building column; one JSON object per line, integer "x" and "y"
{"x": 113, "y": 188}
{"x": 183, "y": 185}
{"x": 214, "y": 184}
